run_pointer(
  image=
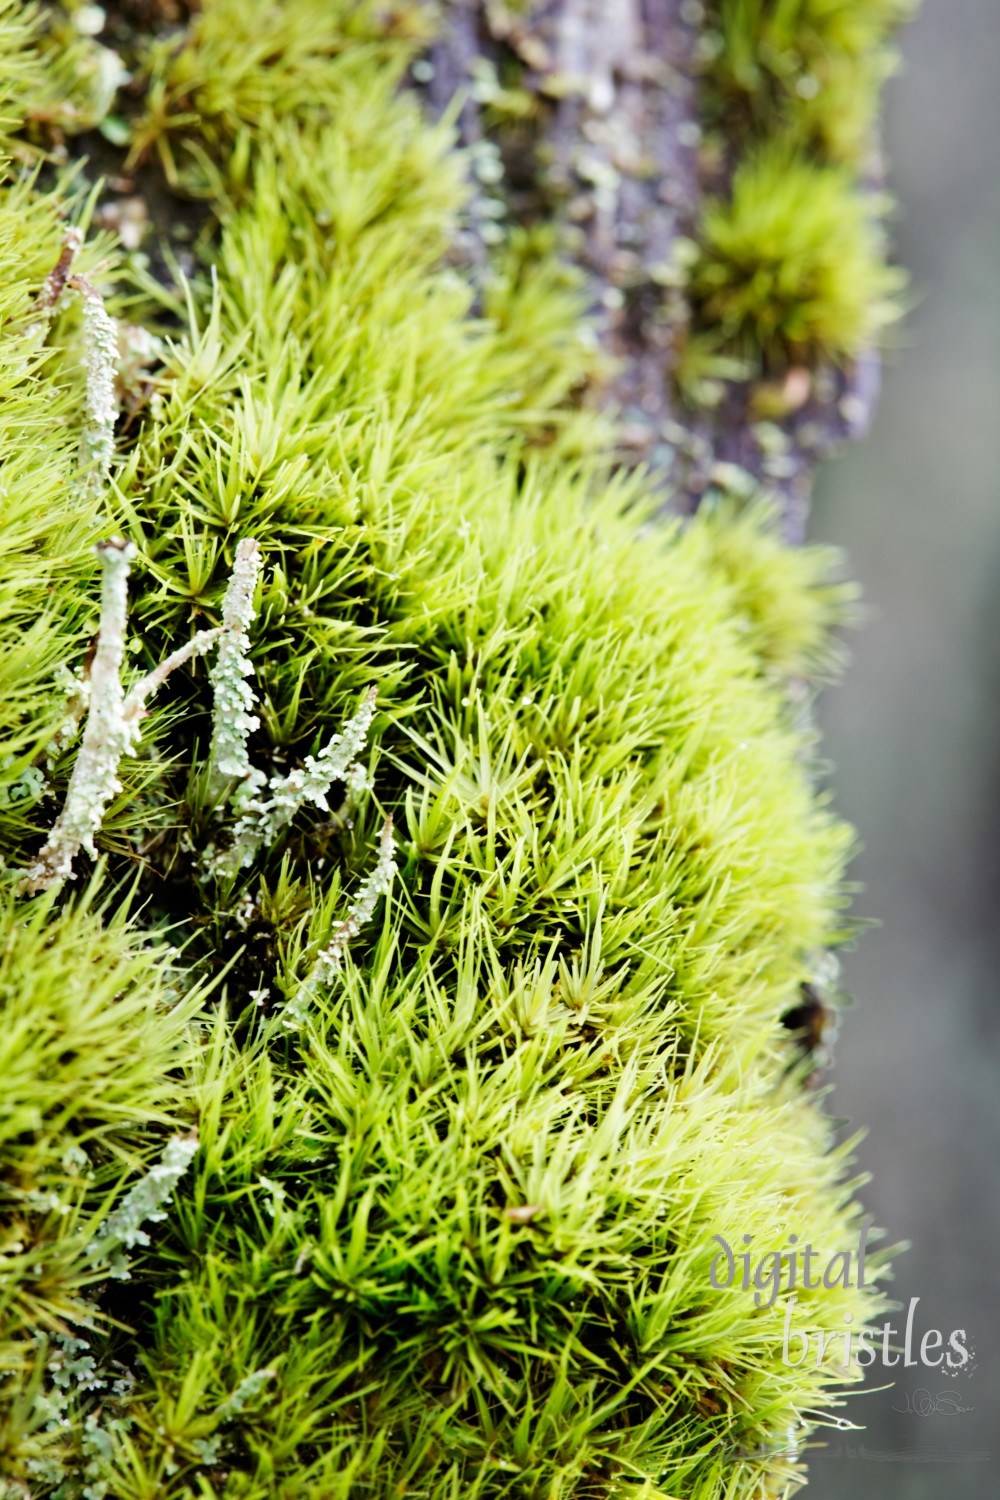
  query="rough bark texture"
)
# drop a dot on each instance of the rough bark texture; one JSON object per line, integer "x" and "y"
{"x": 616, "y": 152}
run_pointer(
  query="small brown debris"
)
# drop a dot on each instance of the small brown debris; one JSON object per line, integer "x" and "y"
{"x": 523, "y": 1213}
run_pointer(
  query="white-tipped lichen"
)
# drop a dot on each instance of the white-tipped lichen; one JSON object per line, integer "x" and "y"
{"x": 106, "y": 737}
{"x": 135, "y": 704}
{"x": 264, "y": 814}
{"x": 144, "y": 1203}
{"x": 311, "y": 782}
{"x": 100, "y": 332}
{"x": 329, "y": 960}
{"x": 76, "y": 687}
{"x": 25, "y": 789}
{"x": 112, "y": 727}
{"x": 248, "y": 1388}
{"x": 362, "y": 908}
{"x": 100, "y": 360}
{"x": 356, "y": 783}
{"x": 233, "y": 719}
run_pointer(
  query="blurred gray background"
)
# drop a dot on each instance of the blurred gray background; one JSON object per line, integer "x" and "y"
{"x": 914, "y": 734}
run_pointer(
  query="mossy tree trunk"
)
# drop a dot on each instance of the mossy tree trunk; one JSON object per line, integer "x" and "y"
{"x": 407, "y": 893}
{"x": 608, "y": 115}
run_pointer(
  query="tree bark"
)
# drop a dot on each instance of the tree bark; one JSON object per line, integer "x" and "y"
{"x": 615, "y": 156}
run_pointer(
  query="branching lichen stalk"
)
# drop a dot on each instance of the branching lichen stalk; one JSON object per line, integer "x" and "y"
{"x": 264, "y": 817}
{"x": 135, "y": 704}
{"x": 373, "y": 887}
{"x": 249, "y": 1387}
{"x": 233, "y": 720}
{"x": 144, "y": 1203}
{"x": 329, "y": 960}
{"x": 106, "y": 736}
{"x": 100, "y": 333}
{"x": 112, "y": 727}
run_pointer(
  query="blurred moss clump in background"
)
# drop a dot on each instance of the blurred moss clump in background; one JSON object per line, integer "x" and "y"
{"x": 813, "y": 66}
{"x": 792, "y": 265}
{"x": 792, "y": 251}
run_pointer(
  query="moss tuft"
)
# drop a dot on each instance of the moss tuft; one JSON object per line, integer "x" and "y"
{"x": 791, "y": 237}
{"x": 815, "y": 66}
{"x": 792, "y": 264}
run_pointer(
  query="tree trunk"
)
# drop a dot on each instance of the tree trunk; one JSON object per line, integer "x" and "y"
{"x": 615, "y": 156}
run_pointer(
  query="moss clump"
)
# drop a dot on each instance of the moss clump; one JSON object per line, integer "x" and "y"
{"x": 815, "y": 65}
{"x": 449, "y": 1231}
{"x": 792, "y": 252}
{"x": 788, "y": 597}
{"x": 92, "y": 1051}
{"x": 792, "y": 263}
{"x": 238, "y": 66}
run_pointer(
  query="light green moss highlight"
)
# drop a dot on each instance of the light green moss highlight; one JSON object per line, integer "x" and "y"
{"x": 452, "y": 1236}
{"x": 790, "y": 599}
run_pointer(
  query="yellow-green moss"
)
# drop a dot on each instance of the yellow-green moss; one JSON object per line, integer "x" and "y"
{"x": 452, "y": 1235}
{"x": 793, "y": 249}
{"x": 792, "y": 263}
{"x": 812, "y": 66}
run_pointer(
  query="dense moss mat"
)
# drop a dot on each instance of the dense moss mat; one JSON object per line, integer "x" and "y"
{"x": 451, "y": 1234}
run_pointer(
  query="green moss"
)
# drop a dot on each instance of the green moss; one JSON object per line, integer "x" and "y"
{"x": 57, "y": 81}
{"x": 92, "y": 1048}
{"x": 242, "y": 64}
{"x": 793, "y": 249}
{"x": 815, "y": 66}
{"x": 792, "y": 264}
{"x": 451, "y": 1235}
{"x": 790, "y": 598}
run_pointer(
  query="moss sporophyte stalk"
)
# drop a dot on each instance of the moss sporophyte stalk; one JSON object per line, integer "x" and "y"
{"x": 412, "y": 829}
